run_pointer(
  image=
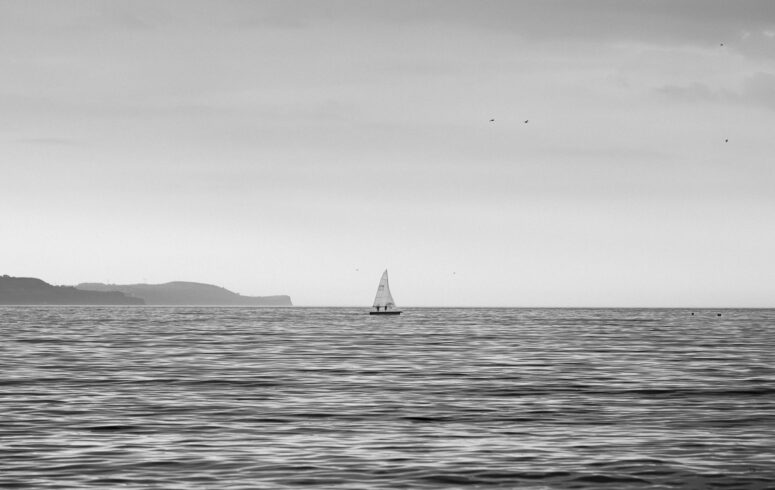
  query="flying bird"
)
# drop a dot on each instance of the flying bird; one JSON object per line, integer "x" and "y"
{"x": 492, "y": 120}
{"x": 526, "y": 121}
{"x": 721, "y": 44}
{"x": 726, "y": 141}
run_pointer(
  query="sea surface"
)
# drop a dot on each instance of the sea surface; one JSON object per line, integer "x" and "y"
{"x": 276, "y": 398}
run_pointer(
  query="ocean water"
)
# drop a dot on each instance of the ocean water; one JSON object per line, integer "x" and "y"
{"x": 228, "y": 398}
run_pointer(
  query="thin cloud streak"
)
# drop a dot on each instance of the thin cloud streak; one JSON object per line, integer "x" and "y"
{"x": 757, "y": 90}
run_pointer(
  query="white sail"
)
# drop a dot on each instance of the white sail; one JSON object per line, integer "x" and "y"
{"x": 383, "y": 297}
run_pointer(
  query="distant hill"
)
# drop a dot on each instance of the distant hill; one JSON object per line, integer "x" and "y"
{"x": 187, "y": 293}
{"x": 31, "y": 291}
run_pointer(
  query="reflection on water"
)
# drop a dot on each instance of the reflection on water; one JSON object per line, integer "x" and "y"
{"x": 141, "y": 397}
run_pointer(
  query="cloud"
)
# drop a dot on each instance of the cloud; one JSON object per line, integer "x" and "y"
{"x": 755, "y": 90}
{"x": 759, "y": 89}
{"x": 48, "y": 141}
{"x": 693, "y": 92}
{"x": 595, "y": 19}
{"x": 695, "y": 22}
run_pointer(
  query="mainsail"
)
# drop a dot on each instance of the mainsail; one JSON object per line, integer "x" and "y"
{"x": 383, "y": 297}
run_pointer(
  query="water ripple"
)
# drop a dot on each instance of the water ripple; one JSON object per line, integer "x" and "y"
{"x": 139, "y": 397}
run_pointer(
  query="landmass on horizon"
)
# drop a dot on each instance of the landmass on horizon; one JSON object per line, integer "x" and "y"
{"x": 187, "y": 293}
{"x": 33, "y": 291}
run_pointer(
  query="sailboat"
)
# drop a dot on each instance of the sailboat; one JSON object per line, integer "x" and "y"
{"x": 383, "y": 301}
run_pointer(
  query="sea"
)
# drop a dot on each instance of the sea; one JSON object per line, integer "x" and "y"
{"x": 287, "y": 398}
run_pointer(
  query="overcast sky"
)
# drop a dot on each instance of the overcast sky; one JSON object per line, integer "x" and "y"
{"x": 302, "y": 147}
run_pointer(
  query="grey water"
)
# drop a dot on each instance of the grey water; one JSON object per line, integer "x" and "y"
{"x": 155, "y": 397}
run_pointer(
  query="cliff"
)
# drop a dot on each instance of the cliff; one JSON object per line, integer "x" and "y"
{"x": 31, "y": 291}
{"x": 188, "y": 293}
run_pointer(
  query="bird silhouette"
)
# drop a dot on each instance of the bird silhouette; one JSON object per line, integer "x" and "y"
{"x": 726, "y": 141}
{"x": 526, "y": 121}
{"x": 492, "y": 120}
{"x": 721, "y": 44}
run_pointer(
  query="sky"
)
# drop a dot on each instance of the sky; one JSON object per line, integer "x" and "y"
{"x": 302, "y": 147}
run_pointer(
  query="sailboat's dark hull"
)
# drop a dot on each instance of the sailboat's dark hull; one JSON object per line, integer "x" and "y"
{"x": 395, "y": 312}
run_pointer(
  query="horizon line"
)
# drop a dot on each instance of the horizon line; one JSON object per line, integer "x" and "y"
{"x": 415, "y": 307}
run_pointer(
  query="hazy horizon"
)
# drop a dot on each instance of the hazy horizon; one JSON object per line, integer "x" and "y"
{"x": 302, "y": 147}
{"x": 462, "y": 306}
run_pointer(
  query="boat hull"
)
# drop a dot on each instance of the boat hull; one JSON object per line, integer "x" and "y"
{"x": 384, "y": 313}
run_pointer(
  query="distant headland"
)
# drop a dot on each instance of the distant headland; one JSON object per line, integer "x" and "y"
{"x": 187, "y": 293}
{"x": 32, "y": 291}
